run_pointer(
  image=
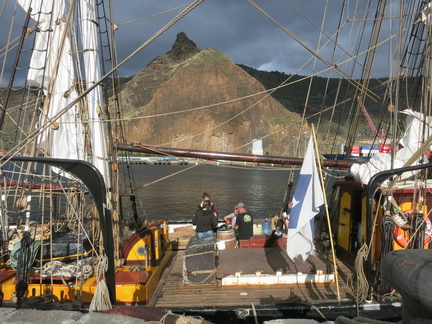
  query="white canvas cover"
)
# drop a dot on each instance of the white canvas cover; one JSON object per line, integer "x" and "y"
{"x": 410, "y": 142}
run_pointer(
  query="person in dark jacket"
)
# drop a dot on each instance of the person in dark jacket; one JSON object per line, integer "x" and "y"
{"x": 205, "y": 197}
{"x": 205, "y": 221}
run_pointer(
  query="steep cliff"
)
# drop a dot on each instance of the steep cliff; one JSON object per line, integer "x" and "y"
{"x": 199, "y": 99}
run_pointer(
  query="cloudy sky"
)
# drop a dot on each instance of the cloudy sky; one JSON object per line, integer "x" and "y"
{"x": 234, "y": 27}
{"x": 238, "y": 29}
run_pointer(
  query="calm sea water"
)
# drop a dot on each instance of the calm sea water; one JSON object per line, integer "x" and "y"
{"x": 174, "y": 191}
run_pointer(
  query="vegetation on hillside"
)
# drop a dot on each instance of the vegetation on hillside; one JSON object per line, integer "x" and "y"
{"x": 317, "y": 100}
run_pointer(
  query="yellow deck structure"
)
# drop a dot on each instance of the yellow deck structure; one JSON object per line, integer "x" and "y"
{"x": 144, "y": 256}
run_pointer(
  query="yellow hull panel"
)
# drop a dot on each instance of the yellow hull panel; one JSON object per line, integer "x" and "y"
{"x": 126, "y": 293}
{"x": 140, "y": 293}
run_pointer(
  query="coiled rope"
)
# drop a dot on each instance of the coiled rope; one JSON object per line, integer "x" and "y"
{"x": 386, "y": 247}
{"x": 101, "y": 298}
{"x": 357, "y": 282}
{"x": 79, "y": 270}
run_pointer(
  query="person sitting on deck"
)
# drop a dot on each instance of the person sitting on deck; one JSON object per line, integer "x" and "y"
{"x": 205, "y": 197}
{"x": 281, "y": 227}
{"x": 285, "y": 219}
{"x": 205, "y": 221}
{"x": 231, "y": 218}
{"x": 244, "y": 223}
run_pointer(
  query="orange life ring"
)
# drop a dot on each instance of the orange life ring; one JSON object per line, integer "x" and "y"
{"x": 402, "y": 241}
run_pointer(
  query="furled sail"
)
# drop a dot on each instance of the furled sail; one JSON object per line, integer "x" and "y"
{"x": 95, "y": 102}
{"x": 51, "y": 68}
{"x": 416, "y": 125}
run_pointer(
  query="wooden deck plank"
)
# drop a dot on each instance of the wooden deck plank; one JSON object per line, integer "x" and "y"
{"x": 174, "y": 293}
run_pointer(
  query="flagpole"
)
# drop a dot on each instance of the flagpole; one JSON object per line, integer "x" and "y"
{"x": 327, "y": 213}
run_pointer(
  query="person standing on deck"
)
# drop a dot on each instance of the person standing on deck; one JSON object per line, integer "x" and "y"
{"x": 205, "y": 221}
{"x": 244, "y": 223}
{"x": 205, "y": 197}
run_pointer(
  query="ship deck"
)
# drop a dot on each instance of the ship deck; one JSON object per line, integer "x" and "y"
{"x": 172, "y": 292}
{"x": 219, "y": 300}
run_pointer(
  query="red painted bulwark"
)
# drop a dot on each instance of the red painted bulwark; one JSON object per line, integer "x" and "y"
{"x": 258, "y": 241}
{"x": 5, "y": 275}
{"x": 131, "y": 277}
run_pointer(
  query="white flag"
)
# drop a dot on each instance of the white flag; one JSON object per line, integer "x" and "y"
{"x": 308, "y": 197}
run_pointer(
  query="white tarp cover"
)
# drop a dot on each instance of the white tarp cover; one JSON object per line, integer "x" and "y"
{"x": 410, "y": 142}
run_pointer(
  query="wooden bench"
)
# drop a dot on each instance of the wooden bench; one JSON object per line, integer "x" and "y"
{"x": 258, "y": 241}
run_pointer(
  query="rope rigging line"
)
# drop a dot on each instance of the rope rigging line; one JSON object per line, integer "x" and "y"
{"x": 80, "y": 223}
{"x": 80, "y": 270}
{"x": 283, "y": 84}
{"x": 386, "y": 246}
{"x": 4, "y": 222}
{"x": 335, "y": 67}
{"x": 333, "y": 111}
{"x": 311, "y": 79}
{"x": 285, "y": 127}
{"x": 221, "y": 166}
{"x": 336, "y": 45}
{"x": 178, "y": 112}
{"x": 3, "y": 9}
{"x": 187, "y": 169}
{"x": 357, "y": 282}
{"x": 151, "y": 16}
{"x": 341, "y": 25}
{"x": 268, "y": 92}
{"x": 185, "y": 111}
{"x": 166, "y": 177}
{"x": 191, "y": 110}
{"x": 9, "y": 45}
{"x": 30, "y": 137}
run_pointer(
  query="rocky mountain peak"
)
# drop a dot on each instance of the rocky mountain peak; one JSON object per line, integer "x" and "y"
{"x": 183, "y": 47}
{"x": 199, "y": 99}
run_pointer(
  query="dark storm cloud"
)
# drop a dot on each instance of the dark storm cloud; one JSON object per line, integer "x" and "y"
{"x": 234, "y": 27}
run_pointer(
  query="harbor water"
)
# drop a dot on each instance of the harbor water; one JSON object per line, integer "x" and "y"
{"x": 174, "y": 191}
